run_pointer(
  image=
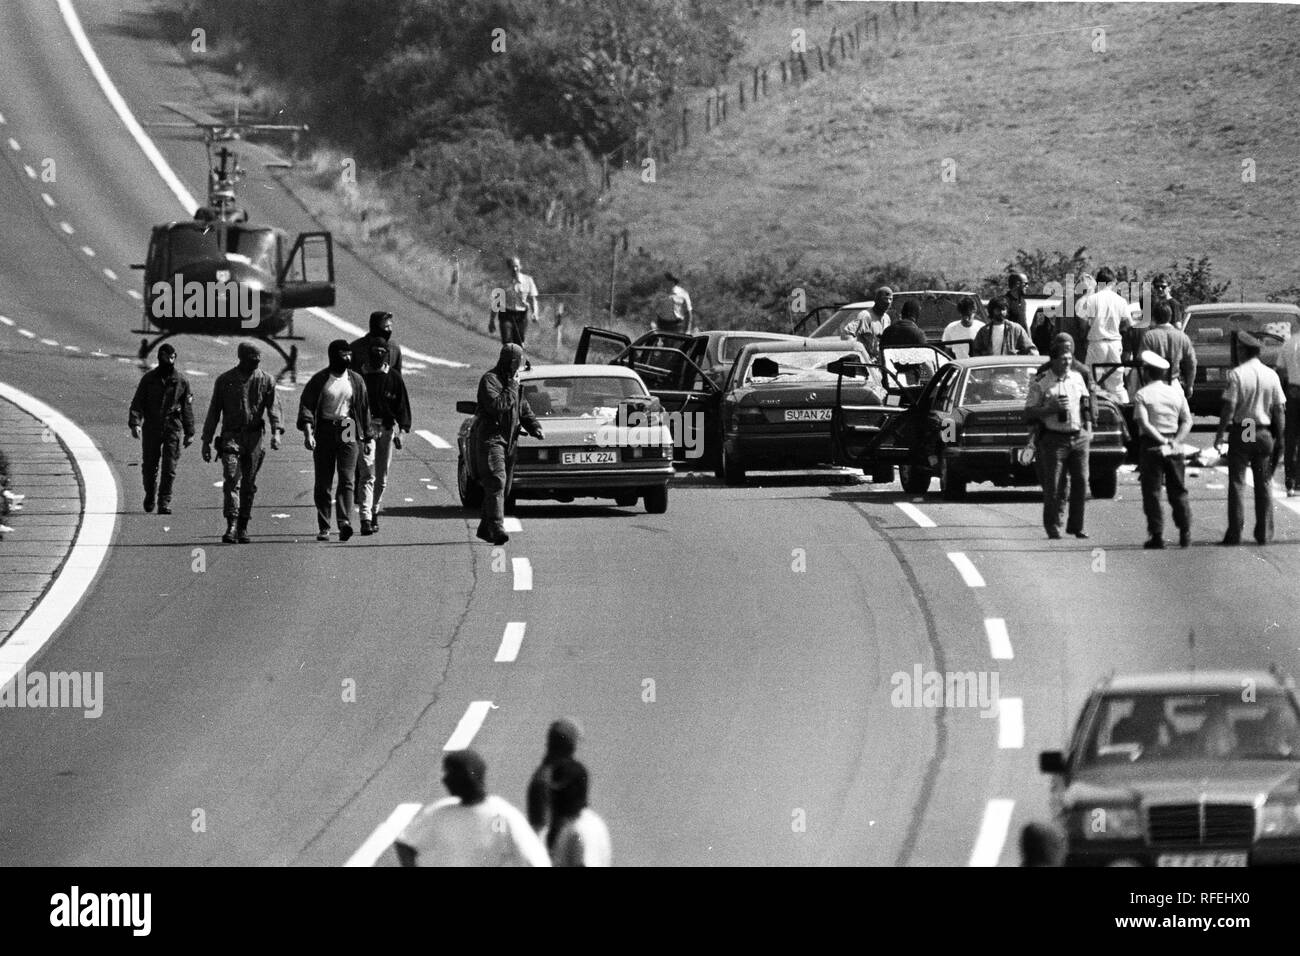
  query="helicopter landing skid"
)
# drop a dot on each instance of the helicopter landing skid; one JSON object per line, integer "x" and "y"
{"x": 290, "y": 357}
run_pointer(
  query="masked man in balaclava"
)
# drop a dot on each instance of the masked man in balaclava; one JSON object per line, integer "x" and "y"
{"x": 334, "y": 417}
{"x": 164, "y": 406}
{"x": 502, "y": 409}
{"x": 381, "y": 333}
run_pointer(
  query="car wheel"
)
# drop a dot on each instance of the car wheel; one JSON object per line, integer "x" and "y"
{"x": 471, "y": 492}
{"x": 951, "y": 483}
{"x": 1103, "y": 482}
{"x": 915, "y": 481}
{"x": 733, "y": 469}
{"x": 656, "y": 500}
{"x": 625, "y": 501}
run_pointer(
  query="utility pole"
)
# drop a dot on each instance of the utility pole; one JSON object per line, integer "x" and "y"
{"x": 613, "y": 272}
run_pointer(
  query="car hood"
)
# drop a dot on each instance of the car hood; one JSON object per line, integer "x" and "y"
{"x": 1185, "y": 781}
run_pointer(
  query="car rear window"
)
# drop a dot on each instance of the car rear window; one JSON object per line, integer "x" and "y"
{"x": 585, "y": 396}
{"x": 1215, "y": 328}
{"x": 731, "y": 345}
{"x": 801, "y": 367}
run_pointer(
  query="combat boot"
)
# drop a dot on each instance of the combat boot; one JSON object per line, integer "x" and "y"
{"x": 229, "y": 536}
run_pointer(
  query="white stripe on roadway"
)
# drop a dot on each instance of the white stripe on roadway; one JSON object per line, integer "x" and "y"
{"x": 1011, "y": 723}
{"x": 469, "y": 725}
{"x": 51, "y": 342}
{"x": 6, "y": 320}
{"x": 993, "y": 833}
{"x": 27, "y": 335}
{"x": 432, "y": 439}
{"x": 13, "y": 144}
{"x": 31, "y": 173}
{"x": 523, "y": 574}
{"x": 384, "y": 835}
{"x": 48, "y": 199}
{"x": 159, "y": 163}
{"x": 88, "y": 550}
{"x": 1292, "y": 503}
{"x": 510, "y": 642}
{"x": 67, "y": 227}
{"x": 512, "y": 525}
{"x": 999, "y": 639}
{"x": 915, "y": 513}
{"x": 969, "y": 573}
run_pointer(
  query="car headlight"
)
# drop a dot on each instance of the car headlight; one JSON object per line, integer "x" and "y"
{"x": 1110, "y": 823}
{"x": 1281, "y": 819}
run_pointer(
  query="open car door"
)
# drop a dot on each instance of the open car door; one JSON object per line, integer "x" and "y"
{"x": 877, "y": 437}
{"x": 600, "y": 347}
{"x": 307, "y": 277}
{"x": 688, "y": 395}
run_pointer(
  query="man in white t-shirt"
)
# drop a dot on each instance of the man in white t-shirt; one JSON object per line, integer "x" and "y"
{"x": 577, "y": 835}
{"x": 962, "y": 330}
{"x": 1288, "y": 369}
{"x": 675, "y": 312}
{"x": 1107, "y": 315}
{"x": 471, "y": 827}
{"x": 519, "y": 308}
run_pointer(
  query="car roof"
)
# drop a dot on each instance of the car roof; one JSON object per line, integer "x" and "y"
{"x": 1224, "y": 681}
{"x": 1241, "y": 307}
{"x": 766, "y": 336}
{"x": 803, "y": 345}
{"x": 867, "y": 303}
{"x": 578, "y": 371}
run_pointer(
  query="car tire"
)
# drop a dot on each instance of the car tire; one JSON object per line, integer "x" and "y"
{"x": 471, "y": 492}
{"x": 656, "y": 500}
{"x": 1103, "y": 482}
{"x": 625, "y": 501}
{"x": 952, "y": 484}
{"x": 733, "y": 469}
{"x": 915, "y": 481}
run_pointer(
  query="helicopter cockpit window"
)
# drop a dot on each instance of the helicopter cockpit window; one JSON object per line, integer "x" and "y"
{"x": 257, "y": 244}
{"x": 191, "y": 245}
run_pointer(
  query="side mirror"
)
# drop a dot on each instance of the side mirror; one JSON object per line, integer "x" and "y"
{"x": 467, "y": 408}
{"x": 764, "y": 368}
{"x": 1051, "y": 761}
{"x": 850, "y": 365}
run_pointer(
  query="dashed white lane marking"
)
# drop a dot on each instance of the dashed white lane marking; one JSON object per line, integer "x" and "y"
{"x": 31, "y": 173}
{"x": 384, "y": 835}
{"x": 98, "y": 354}
{"x": 993, "y": 833}
{"x": 469, "y": 725}
{"x": 1292, "y": 503}
{"x": 915, "y": 513}
{"x": 969, "y": 573}
{"x": 50, "y": 342}
{"x": 432, "y": 439}
{"x": 510, "y": 642}
{"x": 523, "y": 574}
{"x": 13, "y": 144}
{"x": 513, "y": 525}
{"x": 48, "y": 200}
{"x": 1011, "y": 723}
{"x": 72, "y": 348}
{"x": 89, "y": 549}
{"x": 6, "y": 320}
{"x": 999, "y": 639}
{"x": 27, "y": 335}
{"x": 111, "y": 275}
{"x": 134, "y": 294}
{"x": 2, "y": 119}
{"x": 89, "y": 252}
{"x": 124, "y": 360}
{"x": 67, "y": 227}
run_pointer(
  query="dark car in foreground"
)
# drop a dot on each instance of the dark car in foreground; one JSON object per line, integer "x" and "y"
{"x": 1211, "y": 328}
{"x": 1182, "y": 769}
{"x": 961, "y": 421}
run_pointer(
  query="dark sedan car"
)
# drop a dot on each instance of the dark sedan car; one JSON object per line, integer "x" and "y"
{"x": 713, "y": 351}
{"x": 961, "y": 421}
{"x": 1182, "y": 769}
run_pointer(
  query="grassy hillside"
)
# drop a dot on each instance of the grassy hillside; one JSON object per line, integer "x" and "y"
{"x": 1136, "y": 153}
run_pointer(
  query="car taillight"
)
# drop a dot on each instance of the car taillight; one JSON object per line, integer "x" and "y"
{"x": 750, "y": 416}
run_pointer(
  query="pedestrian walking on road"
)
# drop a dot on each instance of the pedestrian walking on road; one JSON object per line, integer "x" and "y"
{"x": 561, "y": 742}
{"x": 471, "y": 827}
{"x": 381, "y": 333}
{"x": 162, "y": 414}
{"x": 1288, "y": 369}
{"x": 1061, "y": 401}
{"x": 519, "y": 307}
{"x": 577, "y": 836}
{"x": 675, "y": 312}
{"x": 390, "y": 416}
{"x": 243, "y": 400}
{"x": 334, "y": 417}
{"x": 1163, "y": 421}
{"x": 1253, "y": 415}
{"x": 502, "y": 410}
{"x": 1001, "y": 337}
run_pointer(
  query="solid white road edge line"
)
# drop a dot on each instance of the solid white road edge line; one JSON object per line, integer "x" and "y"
{"x": 1011, "y": 723}
{"x": 432, "y": 439}
{"x": 510, "y": 642}
{"x": 384, "y": 835}
{"x": 915, "y": 513}
{"x": 523, "y": 574}
{"x": 969, "y": 573}
{"x": 993, "y": 833}
{"x": 89, "y": 548}
{"x": 159, "y": 163}
{"x": 469, "y": 725}
{"x": 999, "y": 639}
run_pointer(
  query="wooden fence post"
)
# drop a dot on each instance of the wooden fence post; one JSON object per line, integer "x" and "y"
{"x": 803, "y": 64}
{"x": 755, "y": 83}
{"x": 765, "y": 81}
{"x": 724, "y": 106}
{"x": 708, "y": 113}
{"x": 821, "y": 60}
{"x": 742, "y": 95}
{"x": 686, "y": 127}
{"x": 784, "y": 78}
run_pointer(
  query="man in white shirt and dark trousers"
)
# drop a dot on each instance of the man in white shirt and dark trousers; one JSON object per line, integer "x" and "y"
{"x": 1164, "y": 421}
{"x": 1288, "y": 368}
{"x": 520, "y": 306}
{"x": 1254, "y": 416}
{"x": 1062, "y": 401}
{"x": 334, "y": 417}
{"x": 1107, "y": 315}
{"x": 959, "y": 333}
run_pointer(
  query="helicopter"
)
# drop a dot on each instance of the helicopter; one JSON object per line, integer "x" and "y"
{"x": 216, "y": 274}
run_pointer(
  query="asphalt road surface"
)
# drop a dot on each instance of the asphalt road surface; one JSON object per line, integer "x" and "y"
{"x": 731, "y": 660}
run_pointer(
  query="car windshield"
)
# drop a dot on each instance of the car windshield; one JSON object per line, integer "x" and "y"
{"x": 1193, "y": 726}
{"x": 730, "y": 345}
{"x": 997, "y": 383}
{"x": 768, "y": 368}
{"x": 580, "y": 396}
{"x": 1215, "y": 328}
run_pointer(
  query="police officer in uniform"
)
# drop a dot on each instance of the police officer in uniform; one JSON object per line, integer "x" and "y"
{"x": 1063, "y": 403}
{"x": 1163, "y": 421}
{"x": 501, "y": 411}
{"x": 163, "y": 408}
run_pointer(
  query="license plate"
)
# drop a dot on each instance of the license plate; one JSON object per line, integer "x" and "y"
{"x": 589, "y": 457}
{"x": 807, "y": 414}
{"x": 1201, "y": 859}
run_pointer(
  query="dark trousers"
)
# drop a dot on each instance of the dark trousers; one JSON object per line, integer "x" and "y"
{"x": 1064, "y": 464}
{"x": 1157, "y": 471}
{"x": 493, "y": 466}
{"x": 1291, "y": 454}
{"x": 513, "y": 326}
{"x": 1254, "y": 456}
{"x": 161, "y": 446}
{"x": 335, "y": 457}
{"x": 241, "y": 460}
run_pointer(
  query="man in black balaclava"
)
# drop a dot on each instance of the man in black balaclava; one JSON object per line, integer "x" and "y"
{"x": 164, "y": 405}
{"x": 381, "y": 333}
{"x": 334, "y": 417}
{"x": 561, "y": 741}
{"x": 501, "y": 411}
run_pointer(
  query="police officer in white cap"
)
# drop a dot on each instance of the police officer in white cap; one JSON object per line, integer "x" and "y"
{"x": 1164, "y": 421}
